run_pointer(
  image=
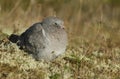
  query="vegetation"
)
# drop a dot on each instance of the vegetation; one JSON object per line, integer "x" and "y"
{"x": 93, "y": 29}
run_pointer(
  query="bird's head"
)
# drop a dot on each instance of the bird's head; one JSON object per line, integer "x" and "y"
{"x": 53, "y": 21}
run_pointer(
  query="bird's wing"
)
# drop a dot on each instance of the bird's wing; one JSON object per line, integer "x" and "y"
{"x": 34, "y": 37}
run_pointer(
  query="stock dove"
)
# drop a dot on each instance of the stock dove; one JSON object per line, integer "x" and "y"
{"x": 44, "y": 40}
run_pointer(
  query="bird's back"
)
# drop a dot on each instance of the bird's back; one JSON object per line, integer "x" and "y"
{"x": 33, "y": 38}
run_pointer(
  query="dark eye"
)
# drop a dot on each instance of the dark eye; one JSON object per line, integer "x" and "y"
{"x": 56, "y": 24}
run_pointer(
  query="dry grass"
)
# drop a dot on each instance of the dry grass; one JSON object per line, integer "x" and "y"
{"x": 94, "y": 39}
{"x": 84, "y": 62}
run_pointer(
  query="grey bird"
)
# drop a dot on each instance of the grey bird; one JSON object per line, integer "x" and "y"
{"x": 44, "y": 40}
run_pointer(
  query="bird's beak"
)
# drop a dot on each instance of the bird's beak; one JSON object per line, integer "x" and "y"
{"x": 62, "y": 26}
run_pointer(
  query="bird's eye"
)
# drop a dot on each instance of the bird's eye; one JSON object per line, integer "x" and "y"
{"x": 56, "y": 24}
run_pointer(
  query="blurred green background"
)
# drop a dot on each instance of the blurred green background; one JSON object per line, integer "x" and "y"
{"x": 90, "y": 20}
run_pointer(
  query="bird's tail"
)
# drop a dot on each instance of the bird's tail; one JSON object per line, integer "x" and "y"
{"x": 13, "y": 38}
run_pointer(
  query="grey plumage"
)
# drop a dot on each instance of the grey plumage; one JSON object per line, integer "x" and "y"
{"x": 44, "y": 40}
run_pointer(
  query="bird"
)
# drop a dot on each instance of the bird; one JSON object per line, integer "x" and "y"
{"x": 44, "y": 40}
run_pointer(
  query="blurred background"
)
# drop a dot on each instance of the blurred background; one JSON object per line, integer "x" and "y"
{"x": 93, "y": 21}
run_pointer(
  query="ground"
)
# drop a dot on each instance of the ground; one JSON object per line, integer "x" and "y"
{"x": 83, "y": 62}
